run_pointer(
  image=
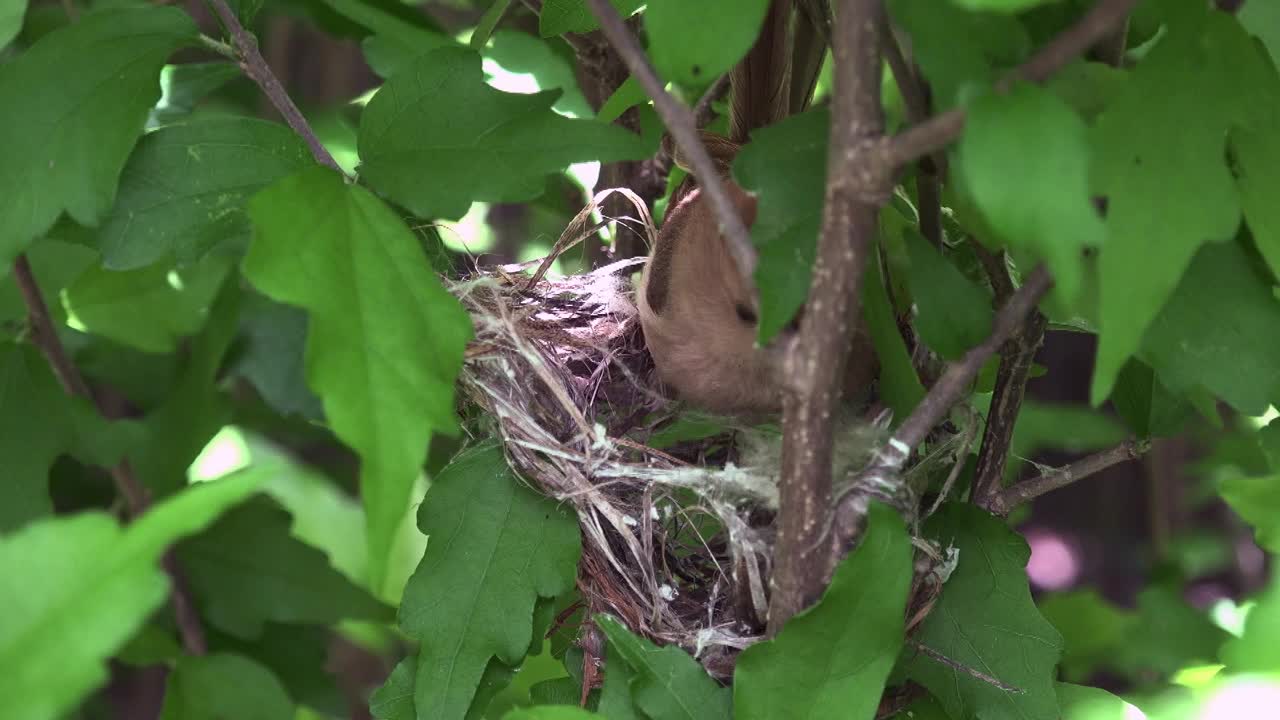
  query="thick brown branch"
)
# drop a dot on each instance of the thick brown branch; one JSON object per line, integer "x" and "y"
{"x": 256, "y": 68}
{"x": 1004, "y": 502}
{"x": 45, "y": 336}
{"x": 1101, "y": 20}
{"x": 858, "y": 182}
{"x": 680, "y": 122}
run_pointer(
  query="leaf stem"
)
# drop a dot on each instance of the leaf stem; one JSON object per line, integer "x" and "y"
{"x": 253, "y": 64}
{"x": 935, "y": 134}
{"x": 680, "y": 121}
{"x": 219, "y": 47}
{"x": 859, "y": 181}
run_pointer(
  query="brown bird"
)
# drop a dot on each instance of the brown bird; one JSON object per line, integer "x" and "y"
{"x": 698, "y": 313}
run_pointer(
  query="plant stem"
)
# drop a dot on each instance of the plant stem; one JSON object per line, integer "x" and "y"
{"x": 1005, "y": 501}
{"x": 251, "y": 61}
{"x": 859, "y": 181}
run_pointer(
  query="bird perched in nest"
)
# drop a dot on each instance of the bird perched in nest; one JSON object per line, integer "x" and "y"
{"x": 698, "y": 312}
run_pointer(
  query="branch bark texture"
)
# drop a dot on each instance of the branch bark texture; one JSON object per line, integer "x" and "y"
{"x": 1004, "y": 502}
{"x": 858, "y": 182}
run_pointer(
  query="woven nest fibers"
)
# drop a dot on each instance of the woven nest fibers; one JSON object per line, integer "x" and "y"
{"x": 676, "y": 513}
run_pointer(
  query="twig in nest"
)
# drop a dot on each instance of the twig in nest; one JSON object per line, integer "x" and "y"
{"x": 577, "y": 230}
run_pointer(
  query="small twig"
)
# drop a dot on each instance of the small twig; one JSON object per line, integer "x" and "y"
{"x": 930, "y": 137}
{"x": 858, "y": 183}
{"x": 683, "y": 127}
{"x": 929, "y": 168}
{"x": 1002, "y": 503}
{"x": 251, "y": 61}
{"x": 961, "y": 667}
{"x": 217, "y": 46}
{"x": 45, "y": 337}
{"x": 944, "y": 394}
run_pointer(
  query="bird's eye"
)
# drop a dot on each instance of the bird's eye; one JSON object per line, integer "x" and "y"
{"x": 746, "y": 314}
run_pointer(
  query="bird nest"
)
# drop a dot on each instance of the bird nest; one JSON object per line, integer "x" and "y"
{"x": 677, "y": 541}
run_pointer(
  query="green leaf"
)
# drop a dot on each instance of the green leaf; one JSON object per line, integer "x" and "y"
{"x": 275, "y": 335}
{"x": 616, "y": 702}
{"x": 985, "y": 619}
{"x": 1087, "y": 87}
{"x": 666, "y": 682}
{"x": 1255, "y": 149}
{"x": 552, "y": 712}
{"x": 1256, "y": 651}
{"x": 247, "y": 570}
{"x": 223, "y": 685}
{"x": 299, "y": 656}
{"x": 693, "y": 43}
{"x": 1146, "y": 405}
{"x": 514, "y": 57}
{"x": 1257, "y": 501}
{"x": 833, "y": 659}
{"x": 1158, "y": 156}
{"x": 1073, "y": 428}
{"x": 1263, "y": 20}
{"x": 1080, "y": 702}
{"x": 1093, "y": 630}
{"x": 1220, "y": 329}
{"x": 378, "y": 313}
{"x": 435, "y": 138}
{"x": 1169, "y": 635}
{"x": 495, "y": 548}
{"x": 151, "y": 308}
{"x": 184, "y": 189}
{"x": 954, "y": 313}
{"x": 12, "y": 13}
{"x": 39, "y": 422}
{"x": 785, "y": 166}
{"x": 182, "y": 87}
{"x": 899, "y": 385}
{"x": 394, "y": 699}
{"x": 958, "y": 49}
{"x": 72, "y": 107}
{"x": 573, "y": 16}
{"x": 77, "y": 587}
{"x": 628, "y": 95}
{"x": 194, "y": 409}
{"x": 1033, "y": 201}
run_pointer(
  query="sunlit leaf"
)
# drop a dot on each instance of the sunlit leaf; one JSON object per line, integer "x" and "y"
{"x": 1256, "y": 651}
{"x": 72, "y": 107}
{"x": 833, "y": 659}
{"x": 77, "y": 587}
{"x": 339, "y": 252}
{"x": 573, "y": 16}
{"x": 183, "y": 86}
{"x": 11, "y": 14}
{"x": 1257, "y": 501}
{"x": 495, "y": 547}
{"x": 695, "y": 42}
{"x": 436, "y": 138}
{"x": 1037, "y": 201}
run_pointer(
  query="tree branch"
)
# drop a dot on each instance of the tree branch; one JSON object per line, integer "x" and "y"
{"x": 1016, "y": 359}
{"x": 858, "y": 183}
{"x": 680, "y": 122}
{"x": 935, "y": 134}
{"x": 944, "y": 394}
{"x": 251, "y": 61}
{"x": 1005, "y": 501}
{"x": 45, "y": 337}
